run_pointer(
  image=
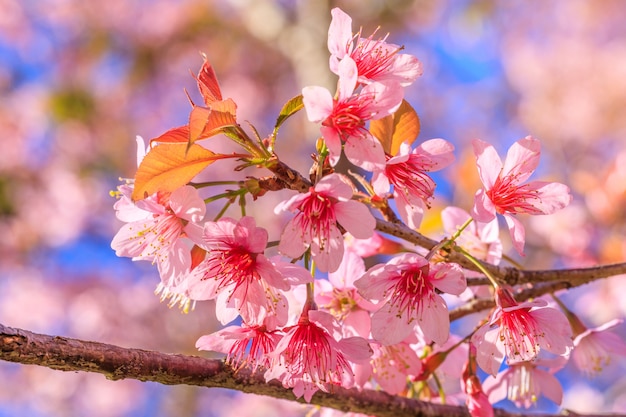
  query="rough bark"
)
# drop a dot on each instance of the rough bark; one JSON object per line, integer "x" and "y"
{"x": 114, "y": 362}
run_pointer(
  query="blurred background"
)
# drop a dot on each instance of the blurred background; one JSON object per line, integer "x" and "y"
{"x": 78, "y": 81}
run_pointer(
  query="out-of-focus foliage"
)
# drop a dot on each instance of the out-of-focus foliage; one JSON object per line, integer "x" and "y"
{"x": 78, "y": 81}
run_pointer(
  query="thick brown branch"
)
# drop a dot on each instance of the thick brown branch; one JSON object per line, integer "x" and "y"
{"x": 115, "y": 363}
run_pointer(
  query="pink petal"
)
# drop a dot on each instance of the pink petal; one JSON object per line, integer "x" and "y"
{"x": 333, "y": 142}
{"x": 351, "y": 268}
{"x": 356, "y": 218}
{"x": 390, "y": 326}
{"x": 489, "y": 352}
{"x": 359, "y": 322}
{"x": 439, "y": 151}
{"x": 488, "y": 162}
{"x": 293, "y": 242}
{"x": 380, "y": 183}
{"x": 365, "y": 152}
{"x": 339, "y": 32}
{"x": 448, "y": 278}
{"x": 248, "y": 235}
{"x": 387, "y": 98}
{"x": 483, "y": 211}
{"x": 410, "y": 208}
{"x": 549, "y": 385}
{"x": 373, "y": 285}
{"x": 334, "y": 185}
{"x": 453, "y": 217}
{"x": 348, "y": 77}
{"x": 186, "y": 203}
{"x": 517, "y": 232}
{"x": 551, "y": 196}
{"x": 522, "y": 159}
{"x": 407, "y": 68}
{"x": 434, "y": 320}
{"x": 318, "y": 103}
{"x": 356, "y": 349}
{"x": 557, "y": 334}
{"x": 327, "y": 254}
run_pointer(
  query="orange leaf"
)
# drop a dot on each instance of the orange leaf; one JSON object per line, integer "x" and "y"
{"x": 391, "y": 131}
{"x": 206, "y": 122}
{"x": 207, "y": 83}
{"x": 169, "y": 166}
{"x": 176, "y": 135}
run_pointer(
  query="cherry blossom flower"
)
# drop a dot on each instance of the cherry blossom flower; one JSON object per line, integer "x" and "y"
{"x": 477, "y": 402}
{"x": 520, "y": 332}
{"x": 593, "y": 348}
{"x": 481, "y": 240}
{"x": 244, "y": 345}
{"x": 523, "y": 383}
{"x": 376, "y": 60}
{"x": 313, "y": 356}
{"x": 405, "y": 289}
{"x": 504, "y": 191}
{"x": 343, "y": 119}
{"x": 408, "y": 172}
{"x": 339, "y": 296}
{"x": 156, "y": 227}
{"x": 237, "y": 273}
{"x": 391, "y": 366}
{"x": 319, "y": 212}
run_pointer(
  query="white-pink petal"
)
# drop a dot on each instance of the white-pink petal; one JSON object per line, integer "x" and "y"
{"x": 488, "y": 162}
{"x": 318, "y": 103}
{"x": 356, "y": 218}
{"x": 522, "y": 159}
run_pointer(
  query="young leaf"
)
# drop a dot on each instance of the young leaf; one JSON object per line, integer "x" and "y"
{"x": 206, "y": 122}
{"x": 169, "y": 166}
{"x": 290, "y": 108}
{"x": 176, "y": 135}
{"x": 392, "y": 130}
{"x": 207, "y": 83}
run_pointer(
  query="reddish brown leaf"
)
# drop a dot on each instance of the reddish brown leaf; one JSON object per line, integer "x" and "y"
{"x": 207, "y": 83}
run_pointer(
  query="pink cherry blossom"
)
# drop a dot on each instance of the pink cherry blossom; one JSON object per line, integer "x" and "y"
{"x": 314, "y": 226}
{"x": 156, "y": 227}
{"x": 593, "y": 348}
{"x": 237, "y": 273}
{"x": 343, "y": 118}
{"x": 504, "y": 191}
{"x": 339, "y": 296}
{"x": 405, "y": 289}
{"x": 481, "y": 240}
{"x": 520, "y": 332}
{"x": 391, "y": 366}
{"x": 408, "y": 172}
{"x": 244, "y": 346}
{"x": 312, "y": 355}
{"x": 477, "y": 402}
{"x": 376, "y": 60}
{"x": 523, "y": 383}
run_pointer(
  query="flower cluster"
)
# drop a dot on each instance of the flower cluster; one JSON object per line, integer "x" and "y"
{"x": 304, "y": 309}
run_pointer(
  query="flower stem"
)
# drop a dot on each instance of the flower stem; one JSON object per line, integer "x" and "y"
{"x": 480, "y": 266}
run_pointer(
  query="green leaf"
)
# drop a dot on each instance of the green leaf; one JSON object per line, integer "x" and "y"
{"x": 289, "y": 109}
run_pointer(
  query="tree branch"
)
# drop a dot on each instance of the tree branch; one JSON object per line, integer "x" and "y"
{"x": 116, "y": 363}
